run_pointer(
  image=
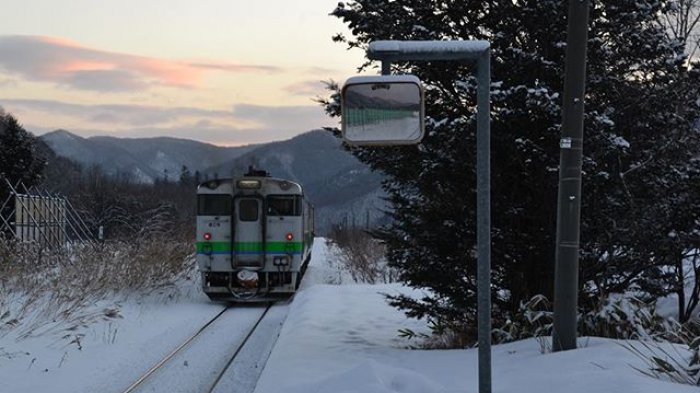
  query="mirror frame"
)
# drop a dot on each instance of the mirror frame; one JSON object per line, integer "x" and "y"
{"x": 383, "y": 79}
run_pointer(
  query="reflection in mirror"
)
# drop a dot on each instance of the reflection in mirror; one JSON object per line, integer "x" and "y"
{"x": 382, "y": 110}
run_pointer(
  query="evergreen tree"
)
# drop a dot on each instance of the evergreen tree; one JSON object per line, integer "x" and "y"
{"x": 638, "y": 148}
{"x": 186, "y": 178}
{"x": 19, "y": 158}
{"x": 682, "y": 245}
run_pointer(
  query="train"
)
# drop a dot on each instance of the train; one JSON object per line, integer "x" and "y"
{"x": 254, "y": 237}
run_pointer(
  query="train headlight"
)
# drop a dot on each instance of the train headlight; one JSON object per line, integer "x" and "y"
{"x": 290, "y": 237}
{"x": 207, "y": 236}
{"x": 248, "y": 184}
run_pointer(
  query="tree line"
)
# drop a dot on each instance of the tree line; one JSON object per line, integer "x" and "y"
{"x": 125, "y": 208}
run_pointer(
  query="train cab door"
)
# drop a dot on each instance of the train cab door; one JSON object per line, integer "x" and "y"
{"x": 249, "y": 242}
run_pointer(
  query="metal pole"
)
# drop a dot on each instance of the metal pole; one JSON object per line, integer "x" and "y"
{"x": 569, "y": 201}
{"x": 478, "y": 52}
{"x": 483, "y": 217}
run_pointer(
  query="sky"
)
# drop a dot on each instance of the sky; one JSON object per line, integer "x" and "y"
{"x": 227, "y": 72}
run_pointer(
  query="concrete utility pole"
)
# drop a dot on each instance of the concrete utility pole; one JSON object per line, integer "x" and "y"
{"x": 569, "y": 202}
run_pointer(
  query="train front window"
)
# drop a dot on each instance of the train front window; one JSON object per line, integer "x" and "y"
{"x": 213, "y": 205}
{"x": 248, "y": 209}
{"x": 284, "y": 205}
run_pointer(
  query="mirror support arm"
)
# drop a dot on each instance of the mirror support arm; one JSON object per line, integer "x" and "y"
{"x": 386, "y": 67}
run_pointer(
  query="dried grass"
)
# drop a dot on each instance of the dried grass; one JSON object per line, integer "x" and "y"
{"x": 64, "y": 290}
{"x": 363, "y": 256}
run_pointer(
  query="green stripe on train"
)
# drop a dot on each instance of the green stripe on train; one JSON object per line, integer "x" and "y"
{"x": 250, "y": 246}
{"x": 213, "y": 246}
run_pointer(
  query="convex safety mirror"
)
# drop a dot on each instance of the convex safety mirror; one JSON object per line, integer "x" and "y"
{"x": 382, "y": 110}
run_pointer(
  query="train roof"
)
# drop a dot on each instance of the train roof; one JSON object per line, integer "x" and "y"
{"x": 284, "y": 184}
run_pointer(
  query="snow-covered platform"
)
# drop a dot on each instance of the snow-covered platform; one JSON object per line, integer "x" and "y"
{"x": 344, "y": 338}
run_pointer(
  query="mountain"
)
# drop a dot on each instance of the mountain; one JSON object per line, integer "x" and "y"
{"x": 146, "y": 159}
{"x": 343, "y": 190}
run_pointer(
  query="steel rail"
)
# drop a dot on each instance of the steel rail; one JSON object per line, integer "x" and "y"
{"x": 172, "y": 354}
{"x": 238, "y": 350}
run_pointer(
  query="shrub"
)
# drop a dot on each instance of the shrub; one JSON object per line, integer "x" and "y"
{"x": 676, "y": 358}
{"x": 626, "y": 318}
{"x": 363, "y": 256}
{"x": 534, "y": 319}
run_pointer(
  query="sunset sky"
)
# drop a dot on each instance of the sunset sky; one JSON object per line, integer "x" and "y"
{"x": 228, "y": 72}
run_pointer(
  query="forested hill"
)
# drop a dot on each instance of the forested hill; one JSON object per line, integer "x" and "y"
{"x": 145, "y": 159}
{"x": 343, "y": 189}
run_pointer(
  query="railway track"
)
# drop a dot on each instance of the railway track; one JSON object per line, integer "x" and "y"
{"x": 229, "y": 350}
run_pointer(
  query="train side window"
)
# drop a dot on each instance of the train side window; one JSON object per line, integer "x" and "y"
{"x": 283, "y": 205}
{"x": 213, "y": 205}
{"x": 248, "y": 209}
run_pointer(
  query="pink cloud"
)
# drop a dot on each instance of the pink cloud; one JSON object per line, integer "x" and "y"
{"x": 233, "y": 67}
{"x": 86, "y": 65}
{"x": 68, "y": 63}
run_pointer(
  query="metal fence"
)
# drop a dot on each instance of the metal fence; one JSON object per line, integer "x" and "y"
{"x": 36, "y": 215}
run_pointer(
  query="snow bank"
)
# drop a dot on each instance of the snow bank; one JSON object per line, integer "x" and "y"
{"x": 343, "y": 338}
{"x": 337, "y": 329}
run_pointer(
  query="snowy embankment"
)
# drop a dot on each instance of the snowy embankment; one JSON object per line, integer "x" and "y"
{"x": 343, "y": 338}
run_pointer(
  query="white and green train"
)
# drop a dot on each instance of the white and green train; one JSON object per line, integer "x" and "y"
{"x": 254, "y": 237}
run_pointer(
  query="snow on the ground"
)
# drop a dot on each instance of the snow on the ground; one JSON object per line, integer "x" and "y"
{"x": 343, "y": 338}
{"x": 336, "y": 338}
{"x": 324, "y": 267}
{"x": 110, "y": 353}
